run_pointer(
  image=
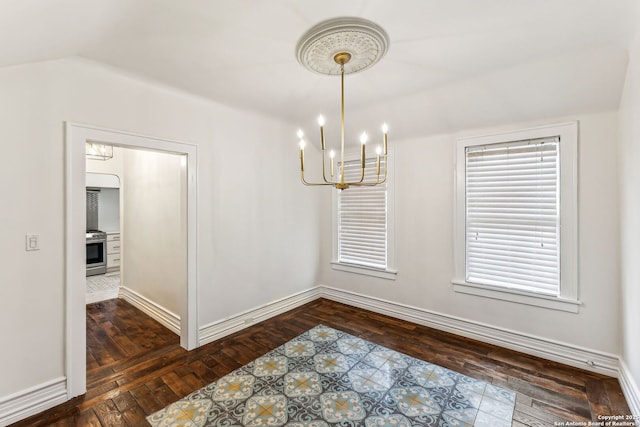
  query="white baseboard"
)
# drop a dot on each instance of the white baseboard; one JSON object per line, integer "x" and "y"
{"x": 33, "y": 400}
{"x": 163, "y": 316}
{"x": 568, "y": 354}
{"x": 629, "y": 388}
{"x": 217, "y": 330}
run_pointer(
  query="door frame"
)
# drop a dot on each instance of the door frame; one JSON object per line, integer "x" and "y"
{"x": 76, "y": 135}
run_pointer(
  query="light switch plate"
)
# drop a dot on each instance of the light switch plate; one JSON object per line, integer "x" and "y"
{"x": 32, "y": 242}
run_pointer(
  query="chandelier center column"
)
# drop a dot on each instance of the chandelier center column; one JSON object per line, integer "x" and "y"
{"x": 342, "y": 58}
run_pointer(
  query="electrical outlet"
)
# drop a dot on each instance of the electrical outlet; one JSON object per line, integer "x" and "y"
{"x": 32, "y": 242}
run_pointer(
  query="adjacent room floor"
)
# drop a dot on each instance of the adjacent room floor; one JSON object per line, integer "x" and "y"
{"x": 102, "y": 287}
{"x": 136, "y": 366}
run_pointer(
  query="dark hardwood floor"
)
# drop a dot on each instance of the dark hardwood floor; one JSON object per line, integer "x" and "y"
{"x": 136, "y": 367}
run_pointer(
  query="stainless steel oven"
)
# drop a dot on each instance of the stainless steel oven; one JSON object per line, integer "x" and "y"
{"x": 96, "y": 252}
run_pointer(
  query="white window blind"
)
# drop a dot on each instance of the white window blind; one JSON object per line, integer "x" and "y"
{"x": 512, "y": 215}
{"x": 362, "y": 219}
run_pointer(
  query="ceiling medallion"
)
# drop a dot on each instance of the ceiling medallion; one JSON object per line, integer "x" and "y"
{"x": 337, "y": 47}
{"x": 364, "y": 40}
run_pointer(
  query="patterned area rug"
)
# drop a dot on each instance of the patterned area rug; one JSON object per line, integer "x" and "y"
{"x": 326, "y": 377}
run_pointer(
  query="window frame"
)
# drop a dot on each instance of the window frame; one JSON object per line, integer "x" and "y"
{"x": 389, "y": 272}
{"x": 567, "y": 300}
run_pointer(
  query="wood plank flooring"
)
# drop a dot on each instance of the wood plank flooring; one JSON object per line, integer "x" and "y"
{"x": 136, "y": 367}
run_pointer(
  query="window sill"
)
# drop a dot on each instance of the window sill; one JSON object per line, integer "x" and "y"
{"x": 367, "y": 271}
{"x": 527, "y": 298}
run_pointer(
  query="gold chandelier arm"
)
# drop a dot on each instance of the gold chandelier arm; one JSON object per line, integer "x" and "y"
{"x": 361, "y": 176}
{"x": 367, "y": 184}
{"x": 386, "y": 159}
{"x": 305, "y": 182}
{"x": 324, "y": 175}
{"x": 363, "y": 161}
{"x": 346, "y": 184}
{"x": 362, "y": 183}
{"x": 323, "y": 146}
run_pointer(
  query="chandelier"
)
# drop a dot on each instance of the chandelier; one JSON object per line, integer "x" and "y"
{"x": 342, "y": 46}
{"x": 97, "y": 151}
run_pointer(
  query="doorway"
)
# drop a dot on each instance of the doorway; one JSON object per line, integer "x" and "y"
{"x": 77, "y": 136}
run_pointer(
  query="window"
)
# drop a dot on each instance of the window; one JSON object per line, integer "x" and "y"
{"x": 363, "y": 220}
{"x": 512, "y": 215}
{"x": 516, "y": 217}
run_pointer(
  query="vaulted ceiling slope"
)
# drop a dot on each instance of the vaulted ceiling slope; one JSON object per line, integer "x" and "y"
{"x": 451, "y": 65}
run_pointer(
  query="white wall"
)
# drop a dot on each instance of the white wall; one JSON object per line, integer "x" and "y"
{"x": 424, "y": 234}
{"x": 257, "y": 226}
{"x": 630, "y": 213}
{"x": 31, "y": 283}
{"x": 154, "y": 235}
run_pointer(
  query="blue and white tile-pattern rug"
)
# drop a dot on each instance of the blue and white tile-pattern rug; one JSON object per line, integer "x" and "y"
{"x": 325, "y": 377}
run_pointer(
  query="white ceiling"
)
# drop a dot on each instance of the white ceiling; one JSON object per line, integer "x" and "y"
{"x": 451, "y": 65}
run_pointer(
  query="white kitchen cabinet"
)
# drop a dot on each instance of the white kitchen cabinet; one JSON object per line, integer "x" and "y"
{"x": 113, "y": 252}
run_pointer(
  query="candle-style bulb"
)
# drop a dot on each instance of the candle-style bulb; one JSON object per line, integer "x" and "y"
{"x": 363, "y": 138}
{"x": 300, "y": 134}
{"x": 320, "y": 120}
{"x": 385, "y": 128}
{"x": 302, "y": 144}
{"x": 378, "y": 150}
